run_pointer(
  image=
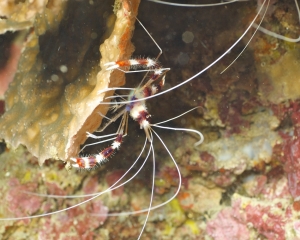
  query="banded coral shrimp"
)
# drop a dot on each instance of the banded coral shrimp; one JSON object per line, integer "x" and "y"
{"x": 241, "y": 94}
{"x": 181, "y": 97}
{"x": 138, "y": 112}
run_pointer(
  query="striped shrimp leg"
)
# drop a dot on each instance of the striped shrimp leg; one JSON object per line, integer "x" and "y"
{"x": 138, "y": 62}
{"x": 98, "y": 159}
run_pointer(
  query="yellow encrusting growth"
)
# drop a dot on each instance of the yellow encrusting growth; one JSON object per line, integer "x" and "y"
{"x": 193, "y": 226}
{"x": 177, "y": 215}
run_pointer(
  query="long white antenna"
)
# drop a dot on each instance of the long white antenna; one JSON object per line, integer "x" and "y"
{"x": 195, "y": 5}
{"x": 200, "y": 72}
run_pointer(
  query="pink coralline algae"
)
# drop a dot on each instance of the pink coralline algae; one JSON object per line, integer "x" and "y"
{"x": 168, "y": 177}
{"x": 229, "y": 224}
{"x": 113, "y": 177}
{"x": 256, "y": 186}
{"x": 291, "y": 151}
{"x": 76, "y": 222}
{"x": 266, "y": 222}
{"x": 19, "y": 202}
{"x": 80, "y": 221}
{"x": 90, "y": 185}
{"x": 247, "y": 219}
{"x": 230, "y": 112}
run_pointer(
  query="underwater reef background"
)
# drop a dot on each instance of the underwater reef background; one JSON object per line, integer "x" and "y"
{"x": 242, "y": 182}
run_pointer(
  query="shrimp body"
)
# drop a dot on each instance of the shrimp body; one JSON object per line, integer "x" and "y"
{"x": 136, "y": 108}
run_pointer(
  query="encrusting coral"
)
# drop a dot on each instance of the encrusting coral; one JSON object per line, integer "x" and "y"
{"x": 17, "y": 16}
{"x": 53, "y": 100}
